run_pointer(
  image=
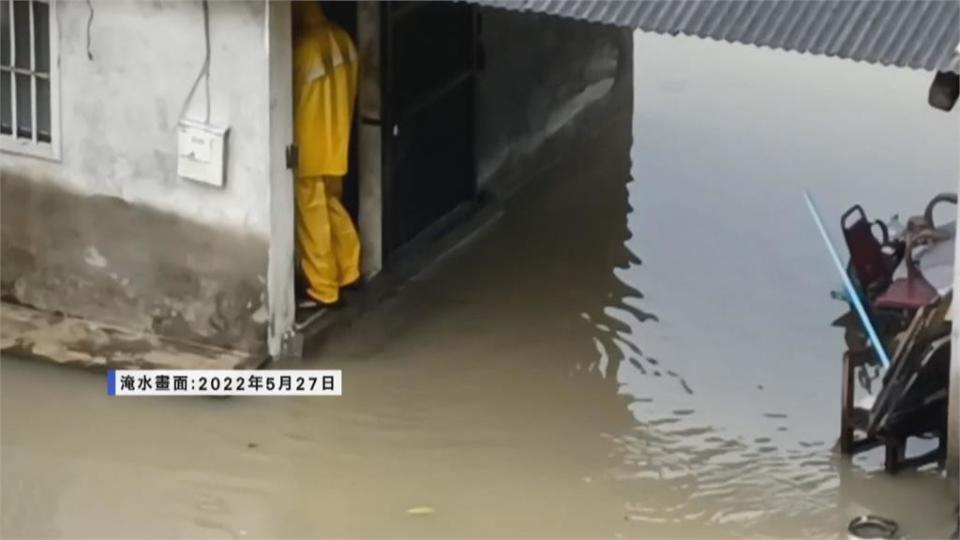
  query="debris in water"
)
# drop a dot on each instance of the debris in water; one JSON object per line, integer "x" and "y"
{"x": 915, "y": 288}
{"x": 848, "y": 284}
{"x": 251, "y": 445}
{"x": 421, "y": 511}
{"x": 869, "y": 526}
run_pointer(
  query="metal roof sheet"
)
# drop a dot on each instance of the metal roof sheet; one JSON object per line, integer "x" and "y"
{"x": 919, "y": 34}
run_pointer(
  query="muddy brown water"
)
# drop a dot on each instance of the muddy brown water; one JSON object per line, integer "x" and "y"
{"x": 639, "y": 347}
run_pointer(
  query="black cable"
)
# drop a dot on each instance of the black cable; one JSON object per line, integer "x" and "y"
{"x": 204, "y": 70}
{"x": 89, "y": 24}
{"x": 206, "y": 40}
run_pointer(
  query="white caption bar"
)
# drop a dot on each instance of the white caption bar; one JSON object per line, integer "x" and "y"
{"x": 203, "y": 382}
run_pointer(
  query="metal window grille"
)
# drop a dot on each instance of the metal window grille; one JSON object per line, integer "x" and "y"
{"x": 28, "y": 76}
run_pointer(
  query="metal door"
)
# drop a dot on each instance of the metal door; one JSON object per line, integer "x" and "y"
{"x": 429, "y": 51}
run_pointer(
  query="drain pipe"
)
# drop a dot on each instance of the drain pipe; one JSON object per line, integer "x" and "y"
{"x": 953, "y": 401}
{"x": 944, "y": 92}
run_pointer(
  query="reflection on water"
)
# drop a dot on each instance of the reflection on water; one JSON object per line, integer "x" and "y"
{"x": 648, "y": 357}
{"x": 738, "y": 281}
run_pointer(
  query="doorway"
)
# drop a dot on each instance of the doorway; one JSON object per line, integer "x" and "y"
{"x": 424, "y": 124}
{"x": 344, "y": 16}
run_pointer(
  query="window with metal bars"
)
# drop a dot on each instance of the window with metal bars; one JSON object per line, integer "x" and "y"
{"x": 28, "y": 66}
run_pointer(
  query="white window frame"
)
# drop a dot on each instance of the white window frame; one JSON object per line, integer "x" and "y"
{"x": 33, "y": 147}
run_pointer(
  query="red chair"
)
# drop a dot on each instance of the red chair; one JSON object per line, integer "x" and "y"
{"x": 869, "y": 264}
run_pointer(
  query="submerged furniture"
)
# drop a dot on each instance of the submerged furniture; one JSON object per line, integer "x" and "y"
{"x": 912, "y": 316}
{"x": 912, "y": 291}
{"x": 850, "y": 289}
{"x": 870, "y": 269}
{"x": 911, "y": 287}
{"x": 912, "y": 401}
{"x": 868, "y": 263}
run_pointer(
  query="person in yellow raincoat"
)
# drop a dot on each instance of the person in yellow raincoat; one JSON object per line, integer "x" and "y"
{"x": 324, "y": 88}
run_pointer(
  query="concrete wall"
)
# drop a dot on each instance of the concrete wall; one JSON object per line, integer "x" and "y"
{"x": 541, "y": 72}
{"x": 110, "y": 232}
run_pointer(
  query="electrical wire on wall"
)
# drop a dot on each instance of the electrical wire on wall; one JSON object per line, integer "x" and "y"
{"x": 89, "y": 24}
{"x": 204, "y": 70}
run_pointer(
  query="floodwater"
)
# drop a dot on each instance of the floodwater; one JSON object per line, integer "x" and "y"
{"x": 640, "y": 346}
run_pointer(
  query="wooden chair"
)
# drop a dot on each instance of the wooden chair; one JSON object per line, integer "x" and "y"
{"x": 859, "y": 427}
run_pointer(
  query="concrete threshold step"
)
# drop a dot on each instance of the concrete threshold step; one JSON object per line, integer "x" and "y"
{"x": 420, "y": 256}
{"x": 63, "y": 339}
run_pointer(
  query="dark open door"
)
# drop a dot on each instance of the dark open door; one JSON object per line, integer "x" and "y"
{"x": 428, "y": 131}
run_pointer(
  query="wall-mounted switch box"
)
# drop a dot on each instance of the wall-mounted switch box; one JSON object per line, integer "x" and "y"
{"x": 202, "y": 152}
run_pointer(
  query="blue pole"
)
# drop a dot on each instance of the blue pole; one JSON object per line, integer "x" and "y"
{"x": 848, "y": 285}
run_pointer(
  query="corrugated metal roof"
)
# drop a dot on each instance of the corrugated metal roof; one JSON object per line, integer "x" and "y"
{"x": 920, "y": 34}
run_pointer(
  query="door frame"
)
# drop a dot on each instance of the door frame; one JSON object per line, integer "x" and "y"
{"x": 281, "y": 303}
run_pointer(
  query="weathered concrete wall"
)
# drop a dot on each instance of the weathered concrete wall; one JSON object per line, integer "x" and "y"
{"x": 541, "y": 71}
{"x": 105, "y": 259}
{"x": 110, "y": 232}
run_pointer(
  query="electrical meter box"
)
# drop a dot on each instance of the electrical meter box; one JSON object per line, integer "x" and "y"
{"x": 202, "y": 152}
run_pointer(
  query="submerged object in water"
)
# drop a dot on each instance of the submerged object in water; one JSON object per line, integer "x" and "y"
{"x": 848, "y": 285}
{"x": 914, "y": 395}
{"x": 913, "y": 314}
{"x": 871, "y": 266}
{"x": 870, "y": 526}
{"x": 421, "y": 511}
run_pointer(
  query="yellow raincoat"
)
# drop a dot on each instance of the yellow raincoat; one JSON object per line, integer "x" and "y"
{"x": 324, "y": 91}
